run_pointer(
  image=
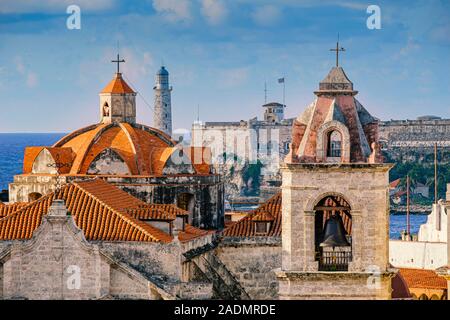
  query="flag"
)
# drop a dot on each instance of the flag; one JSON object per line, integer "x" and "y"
{"x": 281, "y": 80}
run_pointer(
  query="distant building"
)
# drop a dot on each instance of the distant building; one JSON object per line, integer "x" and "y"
{"x": 413, "y": 140}
{"x": 253, "y": 140}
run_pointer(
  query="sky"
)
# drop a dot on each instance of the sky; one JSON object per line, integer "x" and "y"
{"x": 219, "y": 54}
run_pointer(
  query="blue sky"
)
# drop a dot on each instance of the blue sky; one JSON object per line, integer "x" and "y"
{"x": 219, "y": 54}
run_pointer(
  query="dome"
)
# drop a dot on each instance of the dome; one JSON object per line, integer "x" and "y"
{"x": 112, "y": 149}
{"x": 163, "y": 72}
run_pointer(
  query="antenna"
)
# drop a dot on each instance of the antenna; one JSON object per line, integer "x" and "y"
{"x": 435, "y": 174}
{"x": 265, "y": 92}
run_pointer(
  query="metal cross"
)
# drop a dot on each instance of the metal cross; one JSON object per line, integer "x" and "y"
{"x": 337, "y": 52}
{"x": 58, "y": 165}
{"x": 118, "y": 61}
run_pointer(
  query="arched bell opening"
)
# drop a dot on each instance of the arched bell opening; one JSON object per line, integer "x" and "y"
{"x": 333, "y": 233}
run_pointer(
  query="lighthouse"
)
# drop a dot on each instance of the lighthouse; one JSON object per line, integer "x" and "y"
{"x": 162, "y": 117}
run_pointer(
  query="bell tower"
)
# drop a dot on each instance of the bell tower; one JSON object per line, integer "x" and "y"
{"x": 117, "y": 100}
{"x": 335, "y": 204}
{"x": 162, "y": 117}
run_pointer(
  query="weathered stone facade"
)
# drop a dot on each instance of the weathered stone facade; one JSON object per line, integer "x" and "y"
{"x": 58, "y": 263}
{"x": 252, "y": 261}
{"x": 365, "y": 187}
{"x": 335, "y": 201}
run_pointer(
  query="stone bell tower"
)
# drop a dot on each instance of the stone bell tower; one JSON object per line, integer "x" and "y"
{"x": 335, "y": 205}
{"x": 117, "y": 100}
{"x": 162, "y": 117}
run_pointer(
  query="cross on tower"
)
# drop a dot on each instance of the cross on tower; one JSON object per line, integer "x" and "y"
{"x": 58, "y": 165}
{"x": 118, "y": 63}
{"x": 337, "y": 52}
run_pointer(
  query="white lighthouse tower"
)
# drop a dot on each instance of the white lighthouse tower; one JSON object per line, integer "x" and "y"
{"x": 162, "y": 117}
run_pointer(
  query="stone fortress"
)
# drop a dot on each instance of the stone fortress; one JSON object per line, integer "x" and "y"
{"x": 251, "y": 141}
{"x": 409, "y": 140}
{"x": 103, "y": 214}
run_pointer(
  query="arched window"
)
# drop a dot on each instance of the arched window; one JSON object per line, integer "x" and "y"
{"x": 106, "y": 109}
{"x": 334, "y": 144}
{"x": 333, "y": 234}
{"x": 34, "y": 196}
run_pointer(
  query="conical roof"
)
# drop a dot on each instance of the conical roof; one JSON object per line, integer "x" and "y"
{"x": 117, "y": 85}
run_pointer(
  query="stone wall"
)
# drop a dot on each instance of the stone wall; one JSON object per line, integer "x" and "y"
{"x": 158, "y": 260}
{"x": 252, "y": 262}
{"x": 415, "y": 133}
{"x": 413, "y": 140}
{"x": 334, "y": 285}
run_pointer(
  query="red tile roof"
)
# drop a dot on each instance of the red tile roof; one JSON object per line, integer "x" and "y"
{"x": 6, "y": 209}
{"x": 246, "y": 226}
{"x": 98, "y": 208}
{"x": 191, "y": 233}
{"x": 420, "y": 278}
{"x": 117, "y": 85}
{"x": 157, "y": 212}
{"x": 263, "y": 216}
{"x": 394, "y": 184}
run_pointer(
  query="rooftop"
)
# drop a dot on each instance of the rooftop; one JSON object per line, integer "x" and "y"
{"x": 103, "y": 211}
{"x": 117, "y": 85}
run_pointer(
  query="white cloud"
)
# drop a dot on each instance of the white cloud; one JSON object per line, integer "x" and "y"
{"x": 266, "y": 15}
{"x": 52, "y": 6}
{"x": 173, "y": 10}
{"x": 214, "y": 11}
{"x": 138, "y": 65}
{"x": 32, "y": 79}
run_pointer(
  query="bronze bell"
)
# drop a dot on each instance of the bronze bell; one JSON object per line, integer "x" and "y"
{"x": 334, "y": 233}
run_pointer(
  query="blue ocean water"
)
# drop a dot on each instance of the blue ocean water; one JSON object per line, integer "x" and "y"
{"x": 12, "y": 146}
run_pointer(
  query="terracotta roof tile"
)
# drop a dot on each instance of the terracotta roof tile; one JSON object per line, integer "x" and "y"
{"x": 117, "y": 85}
{"x": 6, "y": 209}
{"x": 96, "y": 208}
{"x": 102, "y": 211}
{"x": 262, "y": 216}
{"x": 246, "y": 226}
{"x": 157, "y": 212}
{"x": 191, "y": 233}
{"x": 420, "y": 278}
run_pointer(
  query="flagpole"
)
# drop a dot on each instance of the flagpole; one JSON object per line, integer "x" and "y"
{"x": 284, "y": 91}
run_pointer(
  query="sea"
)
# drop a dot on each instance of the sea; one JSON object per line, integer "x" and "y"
{"x": 12, "y": 146}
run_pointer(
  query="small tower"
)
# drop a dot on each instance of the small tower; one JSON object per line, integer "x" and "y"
{"x": 162, "y": 117}
{"x": 335, "y": 201}
{"x": 117, "y": 100}
{"x": 274, "y": 112}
